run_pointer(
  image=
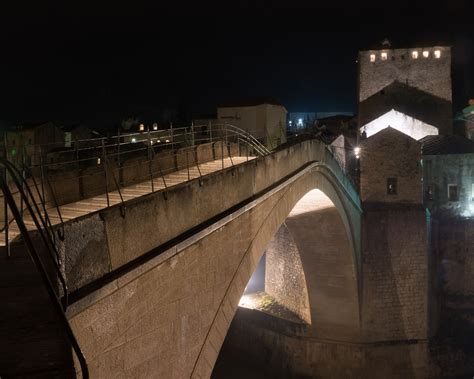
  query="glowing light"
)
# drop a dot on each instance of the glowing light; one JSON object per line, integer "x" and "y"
{"x": 290, "y": 122}
{"x": 158, "y": 141}
{"x": 426, "y": 54}
{"x": 134, "y": 140}
{"x": 300, "y": 122}
{"x": 383, "y": 56}
{"x": 410, "y": 126}
{"x": 167, "y": 141}
{"x": 155, "y": 126}
{"x": 141, "y": 127}
{"x": 437, "y": 54}
{"x": 248, "y": 301}
{"x": 357, "y": 152}
{"x": 414, "y": 54}
{"x": 372, "y": 57}
{"x": 98, "y": 161}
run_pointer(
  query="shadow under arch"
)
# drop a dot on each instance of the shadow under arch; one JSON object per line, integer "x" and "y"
{"x": 341, "y": 320}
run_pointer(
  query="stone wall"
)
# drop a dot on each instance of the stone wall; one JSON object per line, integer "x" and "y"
{"x": 390, "y": 154}
{"x": 274, "y": 346}
{"x": 395, "y": 273}
{"x": 427, "y": 74}
{"x": 284, "y": 275}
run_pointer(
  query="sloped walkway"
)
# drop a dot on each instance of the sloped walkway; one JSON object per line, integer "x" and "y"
{"x": 85, "y": 206}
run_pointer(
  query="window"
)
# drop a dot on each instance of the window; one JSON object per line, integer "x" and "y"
{"x": 414, "y": 54}
{"x": 437, "y": 54}
{"x": 372, "y": 57}
{"x": 391, "y": 186}
{"x": 453, "y": 194}
{"x": 383, "y": 56}
{"x": 426, "y": 54}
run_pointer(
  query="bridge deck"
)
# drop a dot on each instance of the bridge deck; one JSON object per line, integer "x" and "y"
{"x": 89, "y": 205}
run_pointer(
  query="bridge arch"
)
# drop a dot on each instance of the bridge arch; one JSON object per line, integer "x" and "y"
{"x": 315, "y": 194}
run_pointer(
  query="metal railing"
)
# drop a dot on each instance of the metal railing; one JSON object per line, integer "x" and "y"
{"x": 57, "y": 295}
{"x": 103, "y": 166}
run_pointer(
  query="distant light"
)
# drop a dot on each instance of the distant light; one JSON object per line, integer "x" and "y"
{"x": 357, "y": 152}
{"x": 158, "y": 141}
{"x": 290, "y": 122}
{"x": 426, "y": 53}
{"x": 134, "y": 139}
{"x": 414, "y": 54}
{"x": 141, "y": 127}
{"x": 300, "y": 122}
{"x": 383, "y": 56}
{"x": 155, "y": 126}
{"x": 372, "y": 57}
{"x": 437, "y": 54}
{"x": 167, "y": 141}
{"x": 98, "y": 161}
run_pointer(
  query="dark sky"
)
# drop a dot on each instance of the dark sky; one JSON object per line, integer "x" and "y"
{"x": 79, "y": 63}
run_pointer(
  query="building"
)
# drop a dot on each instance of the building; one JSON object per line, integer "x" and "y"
{"x": 28, "y": 143}
{"x": 448, "y": 176}
{"x": 465, "y": 120}
{"x": 390, "y": 168}
{"x": 265, "y": 119}
{"x": 301, "y": 120}
{"x": 406, "y": 89}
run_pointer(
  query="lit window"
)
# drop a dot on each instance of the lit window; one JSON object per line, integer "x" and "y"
{"x": 414, "y": 54}
{"x": 437, "y": 54}
{"x": 372, "y": 57}
{"x": 453, "y": 194}
{"x": 426, "y": 54}
{"x": 383, "y": 56}
{"x": 391, "y": 186}
{"x": 141, "y": 127}
{"x": 155, "y": 126}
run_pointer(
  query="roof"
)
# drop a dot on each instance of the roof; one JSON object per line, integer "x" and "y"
{"x": 421, "y": 45}
{"x": 408, "y": 100}
{"x": 395, "y": 134}
{"x": 250, "y": 102}
{"x": 446, "y": 144}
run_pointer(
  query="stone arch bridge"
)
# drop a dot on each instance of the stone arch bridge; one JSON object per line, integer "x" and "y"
{"x": 153, "y": 293}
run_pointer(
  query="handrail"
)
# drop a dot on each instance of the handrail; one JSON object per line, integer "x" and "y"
{"x": 122, "y": 206}
{"x": 46, "y": 237}
{"x": 59, "y": 307}
{"x": 112, "y": 149}
{"x": 43, "y": 203}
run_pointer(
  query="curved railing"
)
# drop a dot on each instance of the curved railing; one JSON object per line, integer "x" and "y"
{"x": 26, "y": 197}
{"x": 99, "y": 162}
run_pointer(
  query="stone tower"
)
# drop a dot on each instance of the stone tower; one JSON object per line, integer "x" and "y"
{"x": 407, "y": 89}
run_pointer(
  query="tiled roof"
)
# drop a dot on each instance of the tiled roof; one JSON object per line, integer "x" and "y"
{"x": 447, "y": 144}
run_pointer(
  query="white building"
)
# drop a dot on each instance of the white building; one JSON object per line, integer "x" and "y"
{"x": 264, "y": 119}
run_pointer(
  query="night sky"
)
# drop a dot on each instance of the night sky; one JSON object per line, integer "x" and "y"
{"x": 77, "y": 63}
